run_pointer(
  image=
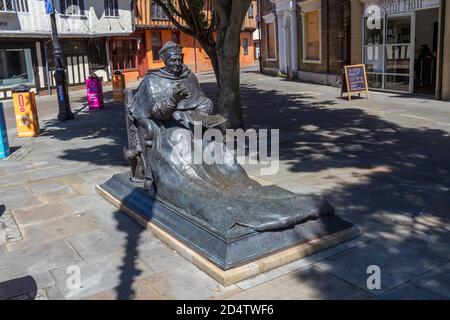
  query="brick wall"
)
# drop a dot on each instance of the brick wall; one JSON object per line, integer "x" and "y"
{"x": 335, "y": 19}
{"x": 267, "y": 7}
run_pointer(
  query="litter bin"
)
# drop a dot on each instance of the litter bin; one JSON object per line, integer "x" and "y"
{"x": 118, "y": 83}
{"x": 4, "y": 145}
{"x": 94, "y": 92}
{"x": 26, "y": 114}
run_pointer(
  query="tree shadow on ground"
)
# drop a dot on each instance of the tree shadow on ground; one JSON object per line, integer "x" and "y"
{"x": 382, "y": 176}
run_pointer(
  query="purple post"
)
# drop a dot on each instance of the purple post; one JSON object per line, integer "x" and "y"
{"x": 94, "y": 92}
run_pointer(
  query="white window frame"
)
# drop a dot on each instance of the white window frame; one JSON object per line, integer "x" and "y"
{"x": 22, "y": 6}
{"x": 112, "y": 8}
{"x": 13, "y": 6}
{"x": 80, "y": 14}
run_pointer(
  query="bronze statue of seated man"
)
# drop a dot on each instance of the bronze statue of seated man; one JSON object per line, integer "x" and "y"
{"x": 220, "y": 194}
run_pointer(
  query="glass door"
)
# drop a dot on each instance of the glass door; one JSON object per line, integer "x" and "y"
{"x": 387, "y": 53}
{"x": 397, "y": 72}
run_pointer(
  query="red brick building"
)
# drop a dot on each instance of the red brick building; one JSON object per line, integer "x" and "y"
{"x": 153, "y": 29}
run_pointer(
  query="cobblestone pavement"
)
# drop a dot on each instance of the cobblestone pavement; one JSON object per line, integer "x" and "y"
{"x": 384, "y": 164}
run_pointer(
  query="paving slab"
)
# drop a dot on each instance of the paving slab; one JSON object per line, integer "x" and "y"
{"x": 36, "y": 259}
{"x": 46, "y": 173}
{"x": 159, "y": 257}
{"x": 55, "y": 229}
{"x": 13, "y": 179}
{"x": 115, "y": 221}
{"x": 398, "y": 264}
{"x": 309, "y": 283}
{"x": 189, "y": 282}
{"x": 9, "y": 231}
{"x": 407, "y": 292}
{"x": 103, "y": 273}
{"x": 83, "y": 203}
{"x": 15, "y": 167}
{"x": 96, "y": 243}
{"x": 17, "y": 197}
{"x": 436, "y": 282}
{"x": 141, "y": 290}
{"x": 302, "y": 263}
{"x": 52, "y": 192}
{"x": 38, "y": 214}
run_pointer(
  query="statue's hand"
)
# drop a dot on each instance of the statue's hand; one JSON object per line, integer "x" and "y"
{"x": 180, "y": 92}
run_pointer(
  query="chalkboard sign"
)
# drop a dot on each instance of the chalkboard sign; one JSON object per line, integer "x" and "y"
{"x": 355, "y": 80}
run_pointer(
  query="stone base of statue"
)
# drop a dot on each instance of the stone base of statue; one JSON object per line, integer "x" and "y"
{"x": 227, "y": 257}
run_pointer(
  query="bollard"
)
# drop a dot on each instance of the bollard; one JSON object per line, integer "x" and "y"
{"x": 94, "y": 92}
{"x": 4, "y": 145}
{"x": 118, "y": 87}
{"x": 26, "y": 114}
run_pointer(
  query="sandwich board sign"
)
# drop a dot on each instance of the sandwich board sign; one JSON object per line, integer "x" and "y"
{"x": 355, "y": 81}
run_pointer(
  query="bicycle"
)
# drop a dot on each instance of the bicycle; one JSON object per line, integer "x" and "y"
{"x": 340, "y": 74}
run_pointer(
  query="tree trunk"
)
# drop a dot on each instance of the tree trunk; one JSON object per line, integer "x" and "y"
{"x": 228, "y": 48}
{"x": 229, "y": 90}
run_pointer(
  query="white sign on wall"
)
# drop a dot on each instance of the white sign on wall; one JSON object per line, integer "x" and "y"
{"x": 399, "y": 6}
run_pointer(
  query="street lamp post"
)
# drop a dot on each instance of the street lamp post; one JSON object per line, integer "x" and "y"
{"x": 64, "y": 112}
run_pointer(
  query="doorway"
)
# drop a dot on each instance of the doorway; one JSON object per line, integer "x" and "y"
{"x": 387, "y": 53}
{"x": 426, "y": 44}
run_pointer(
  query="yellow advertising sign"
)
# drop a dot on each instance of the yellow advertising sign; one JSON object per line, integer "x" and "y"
{"x": 26, "y": 114}
{"x": 118, "y": 82}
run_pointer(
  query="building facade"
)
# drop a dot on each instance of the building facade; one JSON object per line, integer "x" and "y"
{"x": 154, "y": 29}
{"x": 269, "y": 38}
{"x": 323, "y": 39}
{"x": 404, "y": 44}
{"x": 86, "y": 27}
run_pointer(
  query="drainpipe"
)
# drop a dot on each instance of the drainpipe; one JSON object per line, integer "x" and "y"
{"x": 328, "y": 40}
{"x": 260, "y": 38}
{"x": 195, "y": 56}
{"x": 441, "y": 49}
{"x": 47, "y": 71}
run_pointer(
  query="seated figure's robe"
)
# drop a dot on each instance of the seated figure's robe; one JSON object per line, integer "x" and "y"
{"x": 222, "y": 196}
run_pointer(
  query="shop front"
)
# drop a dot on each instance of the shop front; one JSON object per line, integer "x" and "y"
{"x": 124, "y": 56}
{"x": 401, "y": 45}
{"x": 18, "y": 65}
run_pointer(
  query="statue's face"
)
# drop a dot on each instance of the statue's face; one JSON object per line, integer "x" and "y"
{"x": 175, "y": 64}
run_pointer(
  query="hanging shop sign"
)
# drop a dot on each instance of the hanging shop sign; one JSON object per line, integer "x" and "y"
{"x": 397, "y": 6}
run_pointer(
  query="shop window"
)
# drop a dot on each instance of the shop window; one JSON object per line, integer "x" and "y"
{"x": 72, "y": 48}
{"x": 312, "y": 36}
{"x": 72, "y": 7}
{"x": 270, "y": 41}
{"x": 245, "y": 46}
{"x": 156, "y": 44}
{"x": 124, "y": 54}
{"x": 16, "y": 67}
{"x": 69, "y": 48}
{"x": 111, "y": 8}
{"x": 6, "y": 5}
{"x": 156, "y": 12}
{"x": 97, "y": 56}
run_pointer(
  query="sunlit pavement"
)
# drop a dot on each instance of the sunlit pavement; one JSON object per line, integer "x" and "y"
{"x": 383, "y": 163}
